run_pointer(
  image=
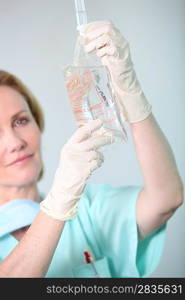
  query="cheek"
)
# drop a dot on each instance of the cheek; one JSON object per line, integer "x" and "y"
{"x": 32, "y": 136}
{"x": 33, "y": 139}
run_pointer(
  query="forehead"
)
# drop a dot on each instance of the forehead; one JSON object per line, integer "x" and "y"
{"x": 11, "y": 102}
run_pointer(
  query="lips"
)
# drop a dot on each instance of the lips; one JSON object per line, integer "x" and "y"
{"x": 21, "y": 159}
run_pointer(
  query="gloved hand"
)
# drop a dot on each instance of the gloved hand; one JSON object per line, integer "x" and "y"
{"x": 114, "y": 52}
{"x": 79, "y": 158}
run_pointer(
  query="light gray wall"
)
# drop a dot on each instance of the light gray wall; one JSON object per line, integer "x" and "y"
{"x": 36, "y": 41}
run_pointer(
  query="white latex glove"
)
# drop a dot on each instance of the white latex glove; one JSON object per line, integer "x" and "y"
{"x": 79, "y": 158}
{"x": 114, "y": 52}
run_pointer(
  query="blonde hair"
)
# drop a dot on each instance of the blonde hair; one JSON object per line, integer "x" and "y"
{"x": 10, "y": 80}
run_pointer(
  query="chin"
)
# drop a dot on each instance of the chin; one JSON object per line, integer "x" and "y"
{"x": 30, "y": 175}
{"x": 25, "y": 177}
{"x": 26, "y": 180}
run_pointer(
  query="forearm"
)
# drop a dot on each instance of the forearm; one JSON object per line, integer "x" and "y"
{"x": 157, "y": 162}
{"x": 33, "y": 254}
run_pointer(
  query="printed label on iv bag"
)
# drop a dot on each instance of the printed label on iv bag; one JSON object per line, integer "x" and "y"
{"x": 89, "y": 90}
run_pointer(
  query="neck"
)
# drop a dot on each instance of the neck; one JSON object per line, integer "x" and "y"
{"x": 8, "y": 193}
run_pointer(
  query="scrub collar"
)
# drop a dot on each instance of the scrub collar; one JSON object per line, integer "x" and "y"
{"x": 16, "y": 214}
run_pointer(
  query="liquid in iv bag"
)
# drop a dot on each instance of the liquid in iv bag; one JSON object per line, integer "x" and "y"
{"x": 90, "y": 91}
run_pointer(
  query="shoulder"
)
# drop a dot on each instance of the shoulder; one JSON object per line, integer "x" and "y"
{"x": 103, "y": 196}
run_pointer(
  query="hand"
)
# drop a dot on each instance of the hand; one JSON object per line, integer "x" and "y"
{"x": 114, "y": 51}
{"x": 79, "y": 158}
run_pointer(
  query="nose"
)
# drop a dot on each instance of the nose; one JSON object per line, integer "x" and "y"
{"x": 14, "y": 142}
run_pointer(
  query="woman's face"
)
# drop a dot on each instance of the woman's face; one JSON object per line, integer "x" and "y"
{"x": 20, "y": 138}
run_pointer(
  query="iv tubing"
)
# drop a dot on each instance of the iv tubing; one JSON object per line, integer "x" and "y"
{"x": 81, "y": 15}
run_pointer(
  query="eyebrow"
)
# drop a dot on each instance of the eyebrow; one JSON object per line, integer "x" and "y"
{"x": 18, "y": 113}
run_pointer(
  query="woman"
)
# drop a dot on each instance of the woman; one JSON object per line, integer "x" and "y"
{"x": 120, "y": 229}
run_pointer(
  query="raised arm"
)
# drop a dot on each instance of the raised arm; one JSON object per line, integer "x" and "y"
{"x": 163, "y": 189}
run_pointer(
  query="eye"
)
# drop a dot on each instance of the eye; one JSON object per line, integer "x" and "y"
{"x": 21, "y": 121}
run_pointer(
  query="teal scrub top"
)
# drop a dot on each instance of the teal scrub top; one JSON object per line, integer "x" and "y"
{"x": 106, "y": 227}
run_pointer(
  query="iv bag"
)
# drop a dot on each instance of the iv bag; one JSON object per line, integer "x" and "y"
{"x": 90, "y": 91}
